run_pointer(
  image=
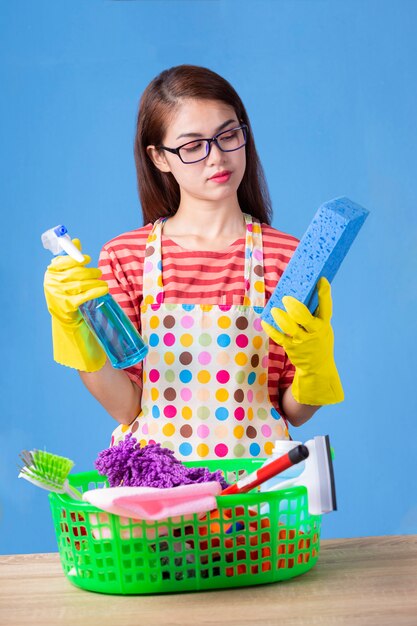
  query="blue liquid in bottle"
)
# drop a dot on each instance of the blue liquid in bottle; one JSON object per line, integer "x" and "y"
{"x": 114, "y": 330}
{"x": 104, "y": 317}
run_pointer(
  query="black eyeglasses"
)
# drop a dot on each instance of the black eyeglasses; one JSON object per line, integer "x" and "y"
{"x": 199, "y": 149}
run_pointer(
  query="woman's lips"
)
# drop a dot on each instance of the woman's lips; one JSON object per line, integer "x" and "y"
{"x": 221, "y": 179}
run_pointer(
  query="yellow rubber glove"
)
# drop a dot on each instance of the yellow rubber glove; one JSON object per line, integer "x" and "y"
{"x": 308, "y": 341}
{"x": 67, "y": 284}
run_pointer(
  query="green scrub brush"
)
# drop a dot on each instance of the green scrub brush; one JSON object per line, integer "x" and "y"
{"x": 48, "y": 471}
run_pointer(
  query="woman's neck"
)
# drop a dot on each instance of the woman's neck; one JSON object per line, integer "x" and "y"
{"x": 206, "y": 225}
{"x": 209, "y": 230}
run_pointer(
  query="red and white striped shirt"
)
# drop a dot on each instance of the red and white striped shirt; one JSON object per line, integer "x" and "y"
{"x": 206, "y": 277}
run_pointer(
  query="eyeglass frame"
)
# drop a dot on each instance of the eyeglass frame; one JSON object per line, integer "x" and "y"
{"x": 209, "y": 143}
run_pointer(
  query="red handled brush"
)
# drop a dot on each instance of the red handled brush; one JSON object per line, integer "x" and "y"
{"x": 294, "y": 456}
{"x": 264, "y": 473}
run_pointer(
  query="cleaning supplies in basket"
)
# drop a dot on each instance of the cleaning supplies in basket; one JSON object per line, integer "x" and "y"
{"x": 153, "y": 503}
{"x": 265, "y": 473}
{"x": 268, "y": 471}
{"x": 317, "y": 477}
{"x": 282, "y": 446}
{"x": 148, "y": 483}
{"x": 121, "y": 555}
{"x": 48, "y": 471}
{"x": 129, "y": 465}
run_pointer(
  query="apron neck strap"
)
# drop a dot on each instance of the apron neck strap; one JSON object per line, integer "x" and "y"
{"x": 153, "y": 292}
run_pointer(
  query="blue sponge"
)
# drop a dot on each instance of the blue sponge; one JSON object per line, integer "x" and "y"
{"x": 319, "y": 253}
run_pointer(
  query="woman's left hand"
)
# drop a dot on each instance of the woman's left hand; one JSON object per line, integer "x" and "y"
{"x": 308, "y": 340}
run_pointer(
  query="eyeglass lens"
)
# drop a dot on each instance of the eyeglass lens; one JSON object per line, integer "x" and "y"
{"x": 228, "y": 141}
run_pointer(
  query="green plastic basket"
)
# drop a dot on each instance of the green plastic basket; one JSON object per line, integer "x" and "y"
{"x": 255, "y": 538}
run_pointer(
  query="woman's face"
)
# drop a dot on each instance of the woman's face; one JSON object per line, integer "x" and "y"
{"x": 207, "y": 118}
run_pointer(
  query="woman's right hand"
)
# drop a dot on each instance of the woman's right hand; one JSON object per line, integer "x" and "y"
{"x": 67, "y": 285}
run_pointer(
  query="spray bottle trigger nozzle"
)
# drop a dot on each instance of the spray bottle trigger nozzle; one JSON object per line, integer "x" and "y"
{"x": 60, "y": 230}
{"x": 57, "y": 239}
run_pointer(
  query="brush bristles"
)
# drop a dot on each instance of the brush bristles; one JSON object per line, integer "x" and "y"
{"x": 50, "y": 469}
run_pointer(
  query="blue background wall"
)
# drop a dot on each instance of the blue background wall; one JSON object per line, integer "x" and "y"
{"x": 331, "y": 92}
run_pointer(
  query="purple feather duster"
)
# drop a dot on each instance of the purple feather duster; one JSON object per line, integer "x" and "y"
{"x": 130, "y": 465}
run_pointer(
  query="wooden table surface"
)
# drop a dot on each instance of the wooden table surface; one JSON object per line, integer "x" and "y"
{"x": 370, "y": 580}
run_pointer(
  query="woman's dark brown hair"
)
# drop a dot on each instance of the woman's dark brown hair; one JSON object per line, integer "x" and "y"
{"x": 159, "y": 192}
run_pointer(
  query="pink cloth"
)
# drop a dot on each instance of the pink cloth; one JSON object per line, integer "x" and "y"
{"x": 151, "y": 503}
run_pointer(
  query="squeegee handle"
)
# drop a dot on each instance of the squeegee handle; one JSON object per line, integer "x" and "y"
{"x": 264, "y": 473}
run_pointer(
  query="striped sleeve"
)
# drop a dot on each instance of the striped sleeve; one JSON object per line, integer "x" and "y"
{"x": 278, "y": 250}
{"x": 125, "y": 294}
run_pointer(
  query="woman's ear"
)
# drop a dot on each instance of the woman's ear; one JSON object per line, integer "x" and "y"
{"x": 158, "y": 158}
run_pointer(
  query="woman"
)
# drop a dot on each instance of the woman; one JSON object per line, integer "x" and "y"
{"x": 194, "y": 280}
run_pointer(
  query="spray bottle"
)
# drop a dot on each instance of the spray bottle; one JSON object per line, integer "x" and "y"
{"x": 104, "y": 317}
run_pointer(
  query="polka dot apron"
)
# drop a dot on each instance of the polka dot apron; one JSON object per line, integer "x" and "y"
{"x": 205, "y": 377}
